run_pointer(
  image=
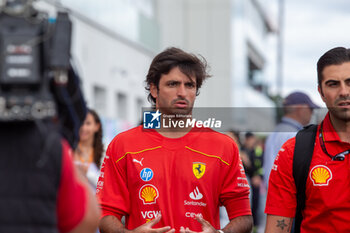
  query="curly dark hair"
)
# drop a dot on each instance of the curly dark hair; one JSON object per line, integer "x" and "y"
{"x": 189, "y": 64}
{"x": 97, "y": 144}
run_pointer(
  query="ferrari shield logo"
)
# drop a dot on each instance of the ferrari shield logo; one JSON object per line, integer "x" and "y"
{"x": 198, "y": 169}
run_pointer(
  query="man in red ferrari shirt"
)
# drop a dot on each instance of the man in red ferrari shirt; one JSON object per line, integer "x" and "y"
{"x": 327, "y": 203}
{"x": 173, "y": 179}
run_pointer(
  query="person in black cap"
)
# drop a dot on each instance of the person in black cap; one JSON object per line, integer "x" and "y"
{"x": 298, "y": 108}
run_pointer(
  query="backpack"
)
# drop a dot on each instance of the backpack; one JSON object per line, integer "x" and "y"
{"x": 304, "y": 147}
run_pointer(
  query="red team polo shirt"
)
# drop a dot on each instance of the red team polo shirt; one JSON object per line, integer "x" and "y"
{"x": 72, "y": 197}
{"x": 145, "y": 174}
{"x": 327, "y": 205}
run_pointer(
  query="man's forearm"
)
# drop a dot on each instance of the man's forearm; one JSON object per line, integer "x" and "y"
{"x": 278, "y": 224}
{"x": 241, "y": 224}
{"x": 111, "y": 224}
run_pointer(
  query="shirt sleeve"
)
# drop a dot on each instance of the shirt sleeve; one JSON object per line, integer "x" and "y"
{"x": 112, "y": 191}
{"x": 235, "y": 192}
{"x": 281, "y": 196}
{"x": 71, "y": 201}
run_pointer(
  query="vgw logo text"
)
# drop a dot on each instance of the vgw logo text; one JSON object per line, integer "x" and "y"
{"x": 150, "y": 214}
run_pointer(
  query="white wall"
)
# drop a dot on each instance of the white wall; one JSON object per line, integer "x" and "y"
{"x": 201, "y": 27}
{"x": 108, "y": 62}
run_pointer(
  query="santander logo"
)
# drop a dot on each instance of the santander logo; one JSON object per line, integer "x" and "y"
{"x": 196, "y": 195}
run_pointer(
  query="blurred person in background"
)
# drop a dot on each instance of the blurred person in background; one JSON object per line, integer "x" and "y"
{"x": 327, "y": 185}
{"x": 89, "y": 152}
{"x": 253, "y": 168}
{"x": 235, "y": 136}
{"x": 244, "y": 156}
{"x": 173, "y": 179}
{"x": 41, "y": 190}
{"x": 298, "y": 109}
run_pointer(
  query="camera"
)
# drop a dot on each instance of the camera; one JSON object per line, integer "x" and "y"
{"x": 37, "y": 79}
{"x": 32, "y": 51}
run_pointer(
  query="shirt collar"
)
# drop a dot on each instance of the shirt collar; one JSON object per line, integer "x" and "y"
{"x": 328, "y": 130}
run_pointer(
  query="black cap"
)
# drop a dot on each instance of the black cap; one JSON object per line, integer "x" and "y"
{"x": 299, "y": 98}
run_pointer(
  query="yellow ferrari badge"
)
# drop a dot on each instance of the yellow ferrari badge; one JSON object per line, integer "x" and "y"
{"x": 198, "y": 169}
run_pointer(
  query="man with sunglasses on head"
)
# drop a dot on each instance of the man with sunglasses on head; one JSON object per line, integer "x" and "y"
{"x": 327, "y": 188}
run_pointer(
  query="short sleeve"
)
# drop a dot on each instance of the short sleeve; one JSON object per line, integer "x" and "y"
{"x": 281, "y": 197}
{"x": 112, "y": 191}
{"x": 71, "y": 202}
{"x": 235, "y": 190}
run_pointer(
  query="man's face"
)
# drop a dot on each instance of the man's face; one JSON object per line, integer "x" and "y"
{"x": 336, "y": 90}
{"x": 250, "y": 142}
{"x": 176, "y": 93}
{"x": 305, "y": 113}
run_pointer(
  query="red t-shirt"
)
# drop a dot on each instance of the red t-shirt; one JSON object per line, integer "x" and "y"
{"x": 145, "y": 174}
{"x": 327, "y": 204}
{"x": 71, "y": 199}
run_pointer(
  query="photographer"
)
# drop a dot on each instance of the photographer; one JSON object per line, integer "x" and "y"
{"x": 41, "y": 110}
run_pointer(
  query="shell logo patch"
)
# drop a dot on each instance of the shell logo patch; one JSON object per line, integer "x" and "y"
{"x": 148, "y": 194}
{"x": 198, "y": 169}
{"x": 320, "y": 175}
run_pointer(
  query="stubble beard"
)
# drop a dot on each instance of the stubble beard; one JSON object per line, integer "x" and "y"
{"x": 340, "y": 114}
{"x": 181, "y": 112}
{"x": 178, "y": 112}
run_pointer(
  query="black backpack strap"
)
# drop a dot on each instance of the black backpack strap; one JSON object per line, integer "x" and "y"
{"x": 304, "y": 147}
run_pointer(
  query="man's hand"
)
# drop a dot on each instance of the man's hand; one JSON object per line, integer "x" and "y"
{"x": 147, "y": 227}
{"x": 241, "y": 224}
{"x": 111, "y": 224}
{"x": 206, "y": 226}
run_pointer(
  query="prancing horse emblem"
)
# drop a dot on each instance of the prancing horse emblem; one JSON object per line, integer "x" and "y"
{"x": 198, "y": 169}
